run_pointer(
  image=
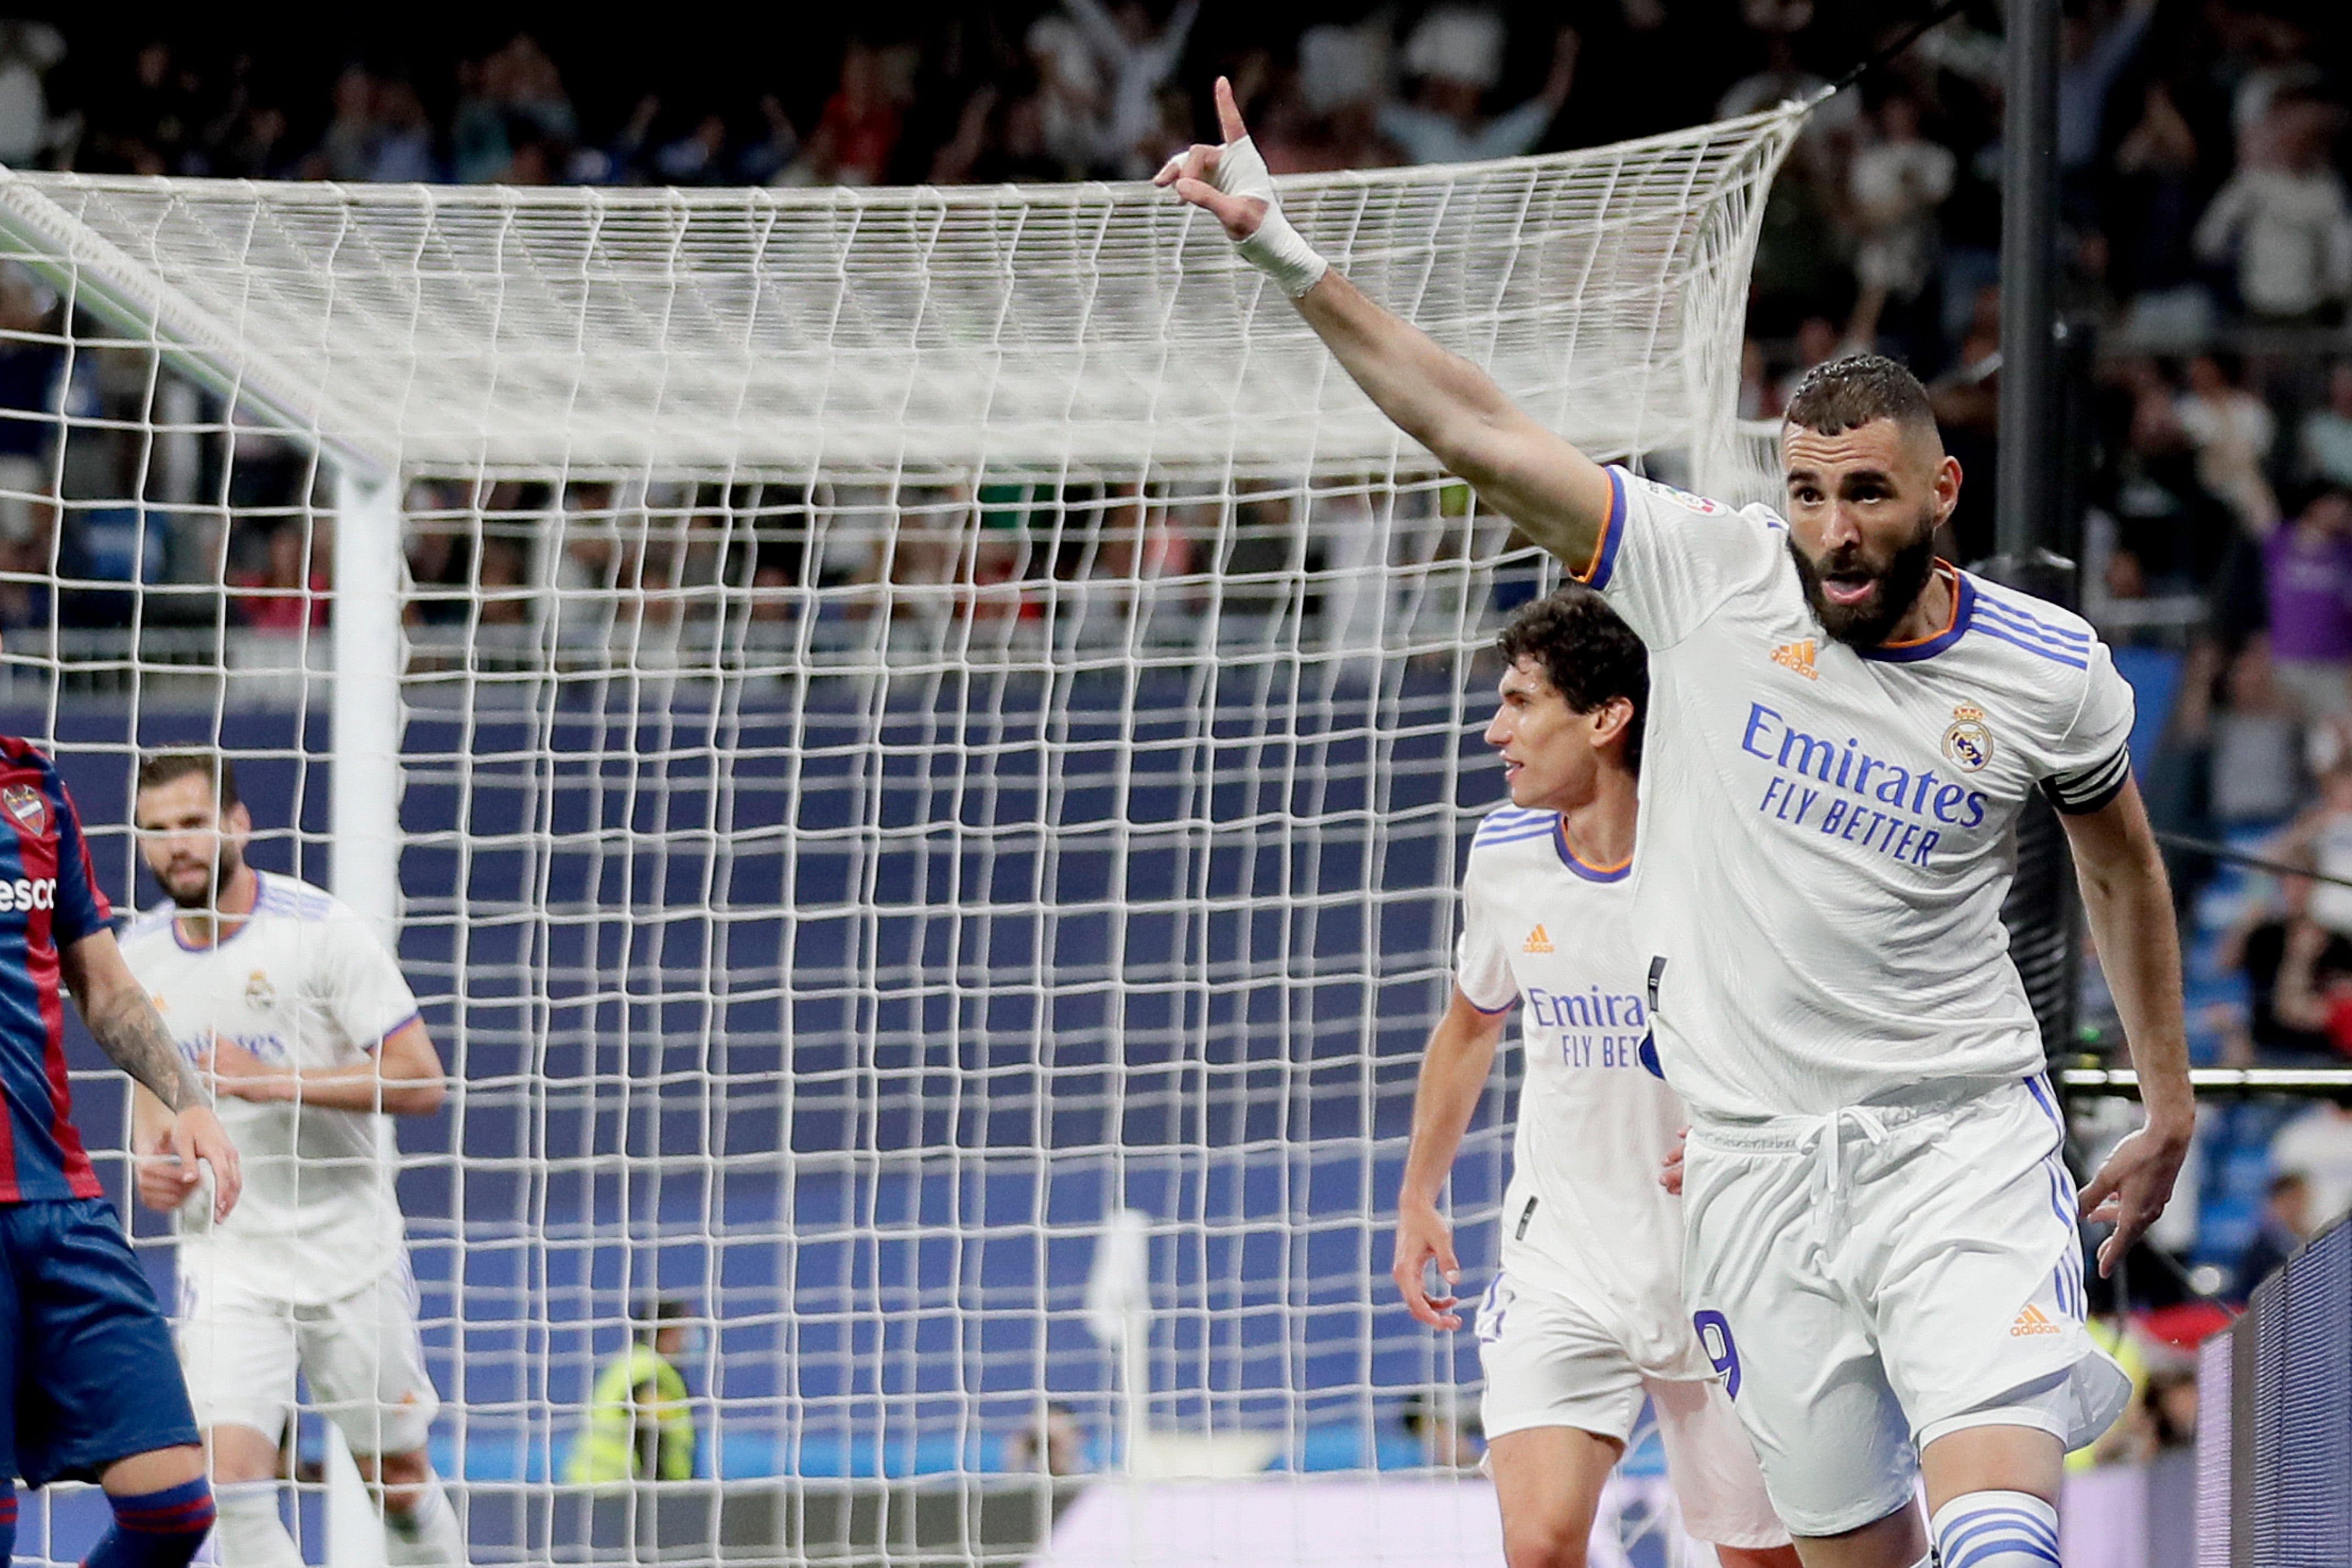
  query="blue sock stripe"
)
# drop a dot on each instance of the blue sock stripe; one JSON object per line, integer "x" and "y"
{"x": 1997, "y": 1518}
{"x": 2004, "y": 1551}
{"x": 1968, "y": 1537}
{"x": 1956, "y": 1534}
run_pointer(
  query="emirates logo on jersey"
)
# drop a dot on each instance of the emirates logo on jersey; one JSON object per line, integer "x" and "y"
{"x": 1537, "y": 942}
{"x": 26, "y": 806}
{"x": 259, "y": 994}
{"x": 1797, "y": 656}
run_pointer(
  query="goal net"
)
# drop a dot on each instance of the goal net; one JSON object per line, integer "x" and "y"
{"x": 893, "y": 730}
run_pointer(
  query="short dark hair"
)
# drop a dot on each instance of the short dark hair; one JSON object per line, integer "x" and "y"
{"x": 1847, "y": 393}
{"x": 654, "y": 1313}
{"x": 161, "y": 768}
{"x": 1586, "y": 652}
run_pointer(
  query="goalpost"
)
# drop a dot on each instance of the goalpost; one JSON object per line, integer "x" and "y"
{"x": 890, "y": 728}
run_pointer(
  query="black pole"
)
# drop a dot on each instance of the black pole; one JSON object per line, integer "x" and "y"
{"x": 2028, "y": 495}
{"x": 2032, "y": 492}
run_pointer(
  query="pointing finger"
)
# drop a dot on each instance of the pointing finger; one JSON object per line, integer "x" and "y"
{"x": 1229, "y": 114}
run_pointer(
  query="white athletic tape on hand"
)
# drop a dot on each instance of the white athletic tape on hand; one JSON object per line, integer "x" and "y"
{"x": 1276, "y": 249}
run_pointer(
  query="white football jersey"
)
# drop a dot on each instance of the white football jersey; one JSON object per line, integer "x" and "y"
{"x": 303, "y": 983}
{"x": 1585, "y": 1215}
{"x": 1825, "y": 834}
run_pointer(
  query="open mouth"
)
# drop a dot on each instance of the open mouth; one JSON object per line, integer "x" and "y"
{"x": 1847, "y": 588}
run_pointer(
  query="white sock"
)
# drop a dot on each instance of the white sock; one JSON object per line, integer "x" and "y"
{"x": 1995, "y": 1529}
{"x": 426, "y": 1536}
{"x": 249, "y": 1534}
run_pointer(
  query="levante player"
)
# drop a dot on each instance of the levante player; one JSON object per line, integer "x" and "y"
{"x": 93, "y": 1389}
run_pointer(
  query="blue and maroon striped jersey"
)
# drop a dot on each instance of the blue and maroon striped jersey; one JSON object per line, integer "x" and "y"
{"x": 48, "y": 900}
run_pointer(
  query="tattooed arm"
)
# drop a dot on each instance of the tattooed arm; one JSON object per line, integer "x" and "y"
{"x": 124, "y": 1023}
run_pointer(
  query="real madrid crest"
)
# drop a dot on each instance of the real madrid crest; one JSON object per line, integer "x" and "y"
{"x": 259, "y": 994}
{"x": 1967, "y": 745}
{"x": 25, "y": 808}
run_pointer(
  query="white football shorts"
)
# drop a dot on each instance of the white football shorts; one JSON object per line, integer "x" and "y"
{"x": 361, "y": 1353}
{"x": 1549, "y": 1363}
{"x": 1871, "y": 1281}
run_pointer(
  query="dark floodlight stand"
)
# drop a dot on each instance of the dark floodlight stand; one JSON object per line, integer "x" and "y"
{"x": 2031, "y": 495}
{"x": 2027, "y": 517}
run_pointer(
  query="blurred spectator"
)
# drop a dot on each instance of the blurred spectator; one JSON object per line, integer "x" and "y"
{"x": 1133, "y": 58}
{"x": 514, "y": 120}
{"x": 859, "y": 129}
{"x": 2155, "y": 213}
{"x": 1055, "y": 1444}
{"x": 2262, "y": 949}
{"x": 2317, "y": 1146}
{"x": 2283, "y": 218}
{"x": 1818, "y": 343}
{"x": 2231, "y": 429}
{"x": 697, "y": 157}
{"x": 2171, "y": 1400}
{"x": 1783, "y": 81}
{"x": 404, "y": 136}
{"x": 144, "y": 126}
{"x": 2308, "y": 579}
{"x": 2322, "y": 838}
{"x": 2284, "y": 1226}
{"x": 763, "y": 160}
{"x": 2091, "y": 57}
{"x": 293, "y": 590}
{"x": 1071, "y": 100}
{"x": 348, "y": 150}
{"x": 2325, "y": 444}
{"x": 29, "y": 392}
{"x": 2256, "y": 778}
{"x": 1895, "y": 182}
{"x": 1457, "y": 55}
{"x": 254, "y": 146}
{"x": 28, "y": 52}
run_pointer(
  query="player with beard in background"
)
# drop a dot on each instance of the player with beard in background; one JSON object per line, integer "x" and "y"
{"x": 286, "y": 999}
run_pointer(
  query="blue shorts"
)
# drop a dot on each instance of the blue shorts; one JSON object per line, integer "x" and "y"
{"x": 93, "y": 1377}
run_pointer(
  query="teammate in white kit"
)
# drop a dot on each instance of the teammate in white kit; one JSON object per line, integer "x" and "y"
{"x": 1879, "y": 1216}
{"x": 286, "y": 999}
{"x": 1585, "y": 1314}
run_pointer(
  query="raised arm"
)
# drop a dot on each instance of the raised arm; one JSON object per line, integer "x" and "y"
{"x": 114, "y": 1006}
{"x": 1556, "y": 496}
{"x": 1453, "y": 1076}
{"x": 2129, "y": 905}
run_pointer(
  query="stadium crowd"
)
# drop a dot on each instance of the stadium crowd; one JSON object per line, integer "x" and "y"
{"x": 2207, "y": 240}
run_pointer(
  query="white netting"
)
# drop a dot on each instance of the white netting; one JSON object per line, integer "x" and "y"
{"x": 924, "y": 720}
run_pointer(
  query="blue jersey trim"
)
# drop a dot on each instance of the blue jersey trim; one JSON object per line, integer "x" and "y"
{"x": 377, "y": 1044}
{"x": 2023, "y": 632}
{"x": 1612, "y": 530}
{"x": 2000, "y": 634}
{"x": 2079, "y": 641}
{"x": 1964, "y": 606}
{"x": 1588, "y": 872}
